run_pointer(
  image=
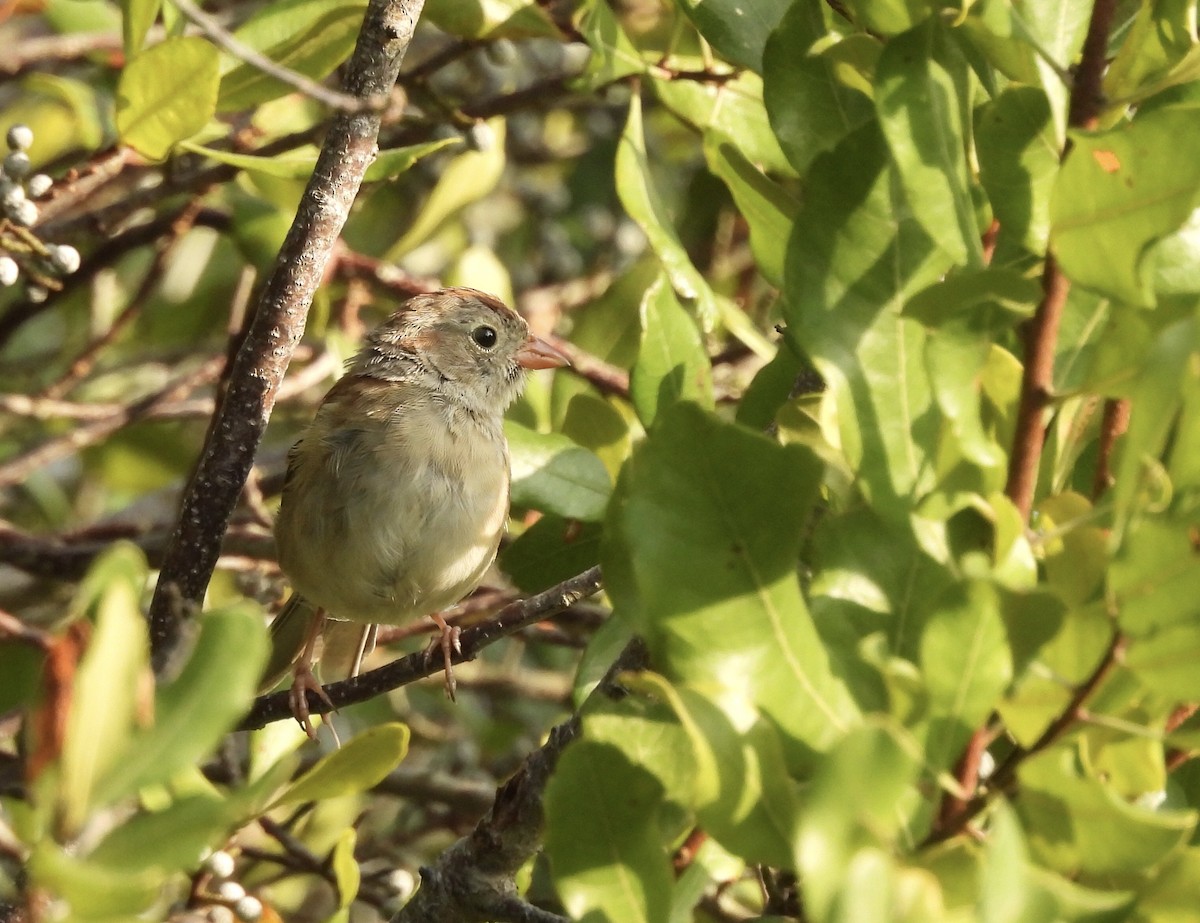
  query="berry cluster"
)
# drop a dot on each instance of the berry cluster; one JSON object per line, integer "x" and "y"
{"x": 228, "y": 901}
{"x": 20, "y": 248}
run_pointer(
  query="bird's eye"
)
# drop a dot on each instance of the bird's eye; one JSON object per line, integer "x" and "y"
{"x": 484, "y": 336}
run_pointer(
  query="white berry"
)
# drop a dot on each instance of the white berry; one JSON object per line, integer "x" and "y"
{"x": 37, "y": 294}
{"x": 230, "y": 891}
{"x": 17, "y": 164}
{"x": 220, "y": 864}
{"x": 249, "y": 909}
{"x": 9, "y": 270}
{"x": 20, "y": 137}
{"x": 65, "y": 259}
{"x": 24, "y": 213}
{"x": 38, "y": 185}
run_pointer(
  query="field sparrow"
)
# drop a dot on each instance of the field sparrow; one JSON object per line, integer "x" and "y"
{"x": 397, "y": 493}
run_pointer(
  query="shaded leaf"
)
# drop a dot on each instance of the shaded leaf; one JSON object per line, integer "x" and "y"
{"x": 813, "y": 99}
{"x": 637, "y": 193}
{"x": 308, "y": 37}
{"x": 919, "y": 110}
{"x": 855, "y": 255}
{"x": 618, "y": 866}
{"x": 699, "y": 555}
{"x": 738, "y": 29}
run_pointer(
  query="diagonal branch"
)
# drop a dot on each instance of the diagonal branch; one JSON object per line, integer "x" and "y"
{"x": 277, "y": 326}
{"x": 511, "y": 618}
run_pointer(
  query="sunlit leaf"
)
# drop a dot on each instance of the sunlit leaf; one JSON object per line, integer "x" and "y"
{"x": 360, "y": 763}
{"x": 553, "y": 474}
{"x": 166, "y": 95}
{"x": 1118, "y": 192}
{"x": 672, "y": 364}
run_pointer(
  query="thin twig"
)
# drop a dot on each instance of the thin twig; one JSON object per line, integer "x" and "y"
{"x": 1005, "y": 775}
{"x": 511, "y": 618}
{"x": 1112, "y": 427}
{"x": 21, "y": 467}
{"x": 277, "y": 326}
{"x": 220, "y": 37}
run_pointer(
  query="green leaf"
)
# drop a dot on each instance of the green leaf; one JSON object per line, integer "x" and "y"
{"x": 863, "y": 577}
{"x": 477, "y": 19}
{"x": 359, "y": 764}
{"x": 605, "y": 852}
{"x": 1079, "y": 826}
{"x": 740, "y": 787}
{"x": 855, "y": 255}
{"x": 345, "y": 868}
{"x": 1018, "y": 161}
{"x": 173, "y": 839}
{"x": 613, "y": 54}
{"x": 700, "y": 553}
{"x": 637, "y": 193}
{"x": 889, "y": 16}
{"x": 167, "y": 94}
{"x": 814, "y": 99}
{"x": 859, "y": 798}
{"x": 308, "y": 37}
{"x": 111, "y": 687}
{"x": 553, "y": 474}
{"x": 1155, "y": 577}
{"x": 1165, "y": 660}
{"x": 1156, "y": 397}
{"x": 768, "y": 208}
{"x": 201, "y": 705}
{"x": 919, "y": 110}
{"x": 966, "y": 664}
{"x": 737, "y": 29}
{"x": 732, "y": 107}
{"x": 1120, "y": 191}
{"x": 467, "y": 178}
{"x": 672, "y": 365}
{"x": 89, "y": 890}
{"x": 137, "y": 16}
{"x": 550, "y": 551}
{"x": 299, "y": 162}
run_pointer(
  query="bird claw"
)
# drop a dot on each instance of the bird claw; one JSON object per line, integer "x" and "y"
{"x": 450, "y": 644}
{"x": 304, "y": 682}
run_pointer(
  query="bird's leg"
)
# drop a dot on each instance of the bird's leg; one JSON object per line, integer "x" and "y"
{"x": 303, "y": 679}
{"x": 366, "y": 644}
{"x": 449, "y": 644}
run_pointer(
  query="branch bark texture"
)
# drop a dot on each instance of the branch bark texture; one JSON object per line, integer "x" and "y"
{"x": 277, "y": 326}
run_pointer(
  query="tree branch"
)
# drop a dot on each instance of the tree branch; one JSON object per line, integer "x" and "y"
{"x": 277, "y": 326}
{"x": 1041, "y": 335}
{"x": 511, "y": 618}
{"x": 473, "y": 880}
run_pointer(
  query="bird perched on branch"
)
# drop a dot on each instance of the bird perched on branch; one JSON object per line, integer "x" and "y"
{"x": 397, "y": 493}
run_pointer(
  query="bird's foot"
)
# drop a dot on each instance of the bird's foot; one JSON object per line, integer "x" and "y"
{"x": 304, "y": 682}
{"x": 450, "y": 644}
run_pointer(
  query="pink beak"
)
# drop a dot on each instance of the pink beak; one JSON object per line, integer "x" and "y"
{"x": 536, "y": 353}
